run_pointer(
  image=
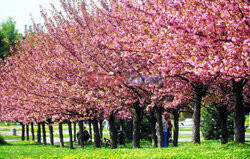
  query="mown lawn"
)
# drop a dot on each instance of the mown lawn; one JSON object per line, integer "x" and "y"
{"x": 207, "y": 149}
{"x": 55, "y": 136}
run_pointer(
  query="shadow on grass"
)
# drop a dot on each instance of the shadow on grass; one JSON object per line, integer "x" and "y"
{"x": 23, "y": 143}
{"x": 2, "y": 142}
{"x": 234, "y": 144}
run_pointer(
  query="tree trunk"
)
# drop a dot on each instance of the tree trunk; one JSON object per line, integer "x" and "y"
{"x": 61, "y": 135}
{"x": 223, "y": 122}
{"x": 81, "y": 141}
{"x": 75, "y": 131}
{"x": 23, "y": 131}
{"x": 44, "y": 134}
{"x": 159, "y": 127}
{"x": 51, "y": 135}
{"x": 100, "y": 127}
{"x": 97, "y": 141}
{"x": 70, "y": 135}
{"x": 153, "y": 130}
{"x": 90, "y": 130}
{"x": 32, "y": 131}
{"x": 38, "y": 133}
{"x": 176, "y": 128}
{"x": 239, "y": 118}
{"x": 137, "y": 125}
{"x": 197, "y": 115}
{"x": 27, "y": 132}
{"x": 112, "y": 131}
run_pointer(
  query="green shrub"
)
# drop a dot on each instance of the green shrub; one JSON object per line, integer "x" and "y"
{"x": 211, "y": 128}
{"x": 145, "y": 129}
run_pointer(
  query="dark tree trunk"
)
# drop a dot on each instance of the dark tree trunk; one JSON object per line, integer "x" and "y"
{"x": 239, "y": 118}
{"x": 81, "y": 141}
{"x": 27, "y": 132}
{"x": 32, "y": 131}
{"x": 176, "y": 128}
{"x": 97, "y": 140}
{"x": 51, "y": 135}
{"x": 137, "y": 125}
{"x": 38, "y": 133}
{"x": 70, "y": 135}
{"x": 44, "y": 134}
{"x": 159, "y": 127}
{"x": 61, "y": 135}
{"x": 199, "y": 92}
{"x": 90, "y": 130}
{"x": 100, "y": 127}
{"x": 23, "y": 131}
{"x": 75, "y": 131}
{"x": 153, "y": 130}
{"x": 112, "y": 131}
{"x": 223, "y": 122}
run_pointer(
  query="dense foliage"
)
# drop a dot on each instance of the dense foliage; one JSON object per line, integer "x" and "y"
{"x": 8, "y": 37}
{"x": 211, "y": 124}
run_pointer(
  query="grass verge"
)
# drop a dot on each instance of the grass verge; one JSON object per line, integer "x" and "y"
{"x": 207, "y": 149}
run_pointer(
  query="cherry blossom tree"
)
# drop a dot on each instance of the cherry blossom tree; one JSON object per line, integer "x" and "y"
{"x": 199, "y": 41}
{"x": 118, "y": 58}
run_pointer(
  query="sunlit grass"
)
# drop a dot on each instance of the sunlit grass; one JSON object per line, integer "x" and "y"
{"x": 248, "y": 130}
{"x": 207, "y": 149}
{"x": 185, "y": 129}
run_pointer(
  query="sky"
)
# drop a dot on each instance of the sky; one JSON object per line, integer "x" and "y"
{"x": 20, "y": 11}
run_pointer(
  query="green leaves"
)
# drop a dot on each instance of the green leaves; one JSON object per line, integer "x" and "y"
{"x": 8, "y": 36}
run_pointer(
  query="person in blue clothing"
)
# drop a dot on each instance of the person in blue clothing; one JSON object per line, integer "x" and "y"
{"x": 166, "y": 126}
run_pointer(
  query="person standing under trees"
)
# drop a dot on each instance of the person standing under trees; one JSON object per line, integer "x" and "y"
{"x": 86, "y": 135}
{"x": 166, "y": 128}
{"x": 105, "y": 123}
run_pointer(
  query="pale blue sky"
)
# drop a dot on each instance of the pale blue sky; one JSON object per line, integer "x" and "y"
{"x": 20, "y": 10}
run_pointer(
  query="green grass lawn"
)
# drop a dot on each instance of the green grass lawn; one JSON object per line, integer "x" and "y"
{"x": 190, "y": 129}
{"x": 207, "y": 149}
{"x": 55, "y": 136}
{"x": 185, "y": 129}
{"x": 247, "y": 121}
{"x": 55, "y": 127}
{"x": 18, "y": 128}
{"x": 65, "y": 127}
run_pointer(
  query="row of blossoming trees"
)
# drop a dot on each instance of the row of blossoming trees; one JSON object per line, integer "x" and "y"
{"x": 124, "y": 58}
